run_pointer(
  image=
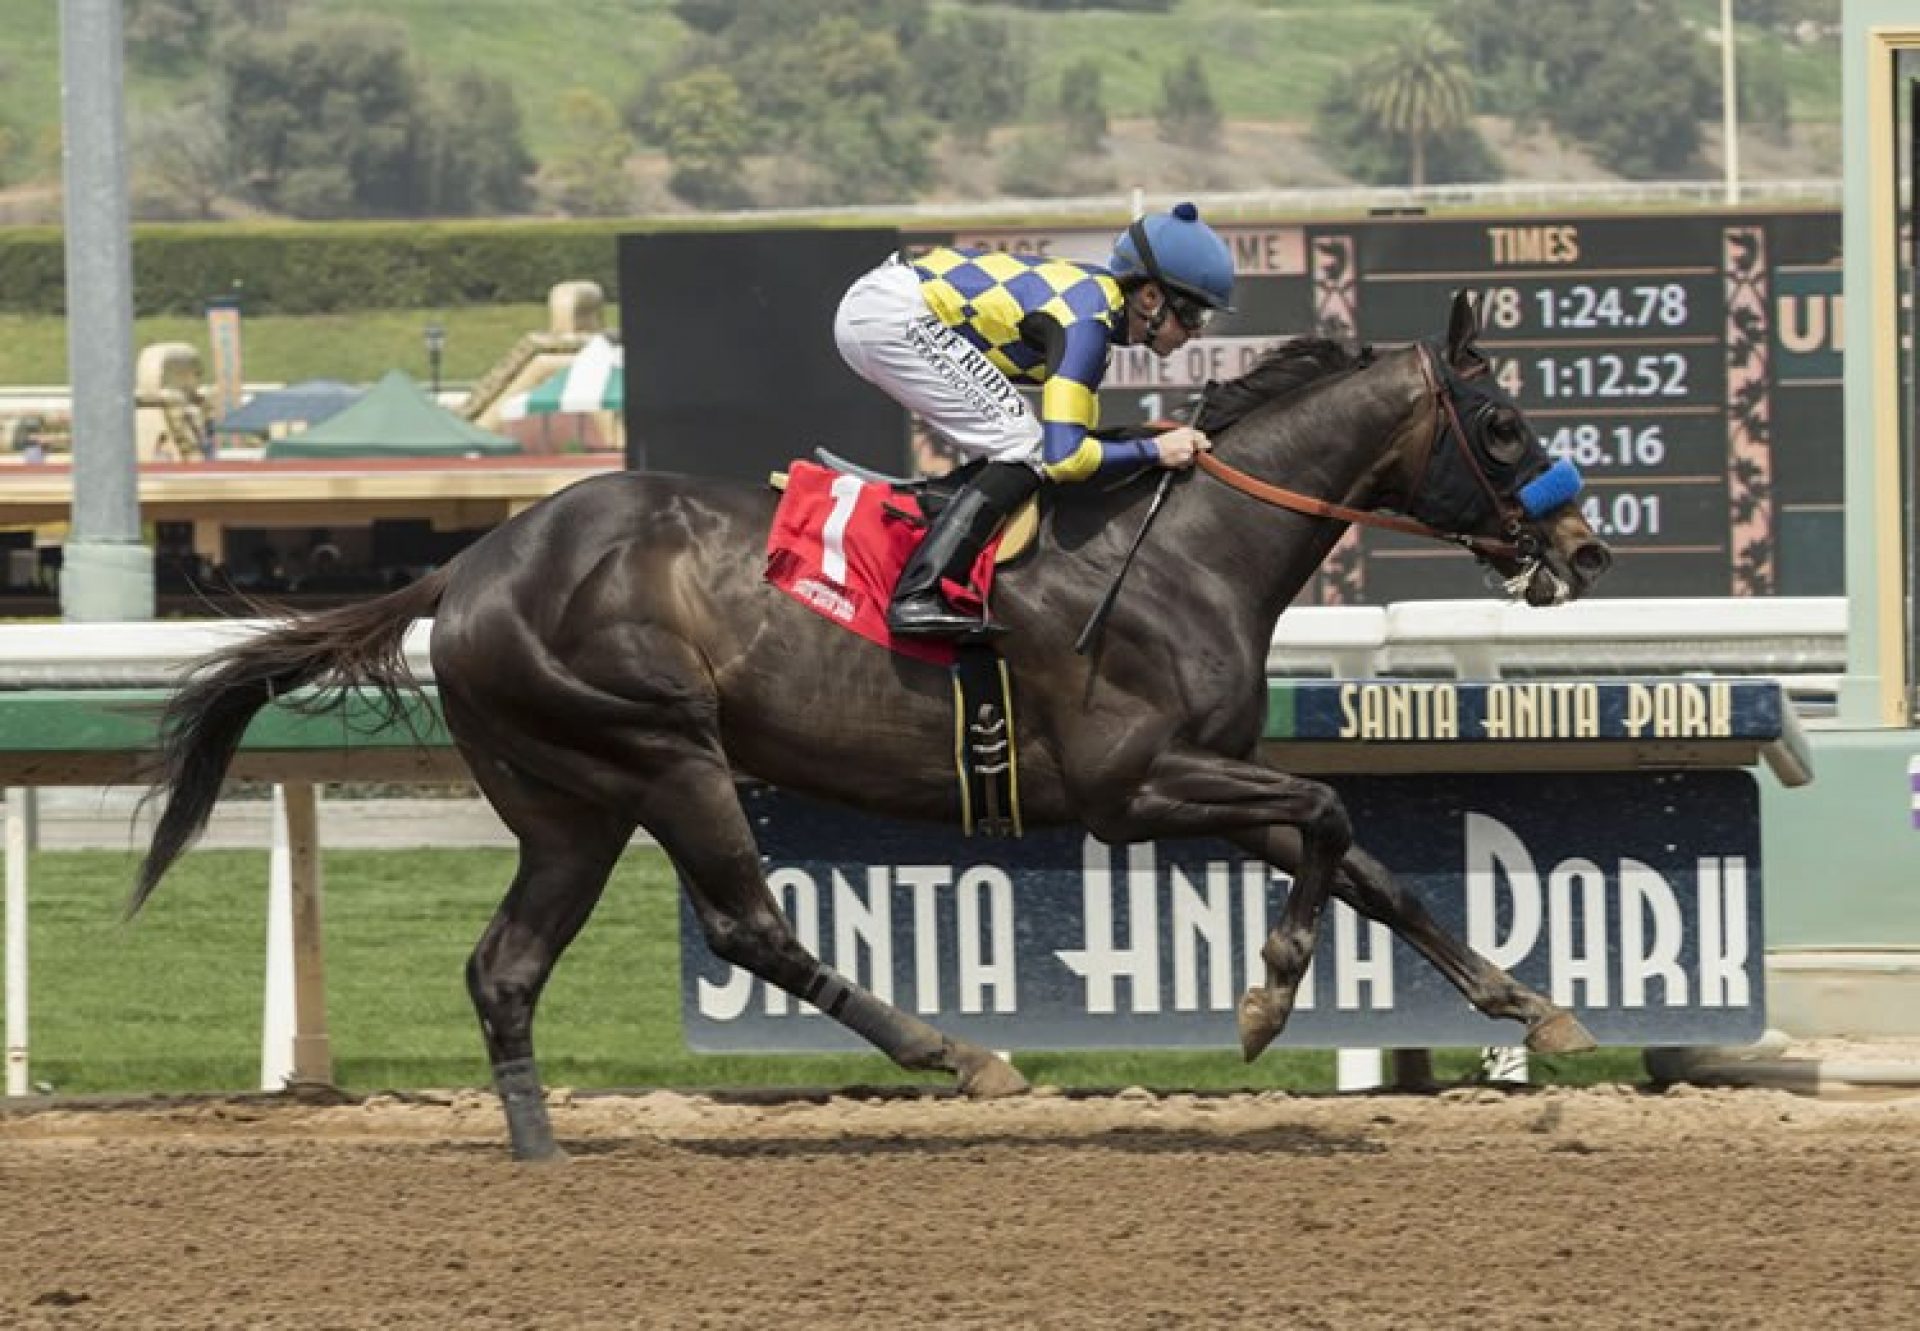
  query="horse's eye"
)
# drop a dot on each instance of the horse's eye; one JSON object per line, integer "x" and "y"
{"x": 1506, "y": 437}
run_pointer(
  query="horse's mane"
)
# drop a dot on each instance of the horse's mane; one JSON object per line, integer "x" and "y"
{"x": 1284, "y": 368}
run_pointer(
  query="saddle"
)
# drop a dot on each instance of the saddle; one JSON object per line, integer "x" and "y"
{"x": 929, "y": 494}
{"x": 985, "y": 753}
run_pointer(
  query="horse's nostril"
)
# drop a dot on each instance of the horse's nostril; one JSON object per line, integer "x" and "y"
{"x": 1591, "y": 560}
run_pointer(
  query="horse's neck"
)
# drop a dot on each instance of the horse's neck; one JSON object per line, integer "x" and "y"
{"x": 1326, "y": 445}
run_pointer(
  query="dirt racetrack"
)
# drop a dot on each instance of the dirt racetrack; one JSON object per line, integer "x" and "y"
{"x": 1591, "y": 1209}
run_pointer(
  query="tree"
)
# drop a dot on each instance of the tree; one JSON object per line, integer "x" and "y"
{"x": 474, "y": 152}
{"x": 1353, "y": 140}
{"x": 825, "y": 83}
{"x": 166, "y": 34}
{"x": 1083, "y": 106}
{"x": 701, "y": 119}
{"x": 971, "y": 75}
{"x": 1416, "y": 89}
{"x": 1630, "y": 80}
{"x": 1762, "y": 95}
{"x": 183, "y": 164}
{"x": 589, "y": 175}
{"x": 1187, "y": 113}
{"x": 333, "y": 120}
{"x": 1642, "y": 111}
{"x": 859, "y": 132}
{"x": 864, "y": 154}
{"x": 324, "y": 119}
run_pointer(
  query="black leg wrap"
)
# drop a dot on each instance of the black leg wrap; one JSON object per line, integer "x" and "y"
{"x": 525, "y": 1102}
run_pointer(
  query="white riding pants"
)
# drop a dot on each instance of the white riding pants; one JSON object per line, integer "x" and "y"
{"x": 891, "y": 339}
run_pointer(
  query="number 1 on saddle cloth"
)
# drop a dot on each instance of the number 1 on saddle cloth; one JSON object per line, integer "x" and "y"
{"x": 837, "y": 546}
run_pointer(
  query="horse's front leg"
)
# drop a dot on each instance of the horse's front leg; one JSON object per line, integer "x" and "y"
{"x": 1364, "y": 884}
{"x": 1292, "y": 823}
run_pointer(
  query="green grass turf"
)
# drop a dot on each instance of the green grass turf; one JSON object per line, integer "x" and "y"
{"x": 356, "y": 346}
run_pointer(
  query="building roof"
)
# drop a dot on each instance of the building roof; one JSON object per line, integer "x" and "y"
{"x": 394, "y": 419}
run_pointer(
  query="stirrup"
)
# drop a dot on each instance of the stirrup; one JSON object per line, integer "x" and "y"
{"x": 927, "y": 615}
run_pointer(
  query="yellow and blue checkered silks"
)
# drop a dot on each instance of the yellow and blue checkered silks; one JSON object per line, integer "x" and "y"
{"x": 1003, "y": 304}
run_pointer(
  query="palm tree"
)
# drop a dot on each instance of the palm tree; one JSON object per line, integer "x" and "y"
{"x": 1416, "y": 88}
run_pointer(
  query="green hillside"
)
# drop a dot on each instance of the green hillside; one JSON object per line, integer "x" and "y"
{"x": 1266, "y": 59}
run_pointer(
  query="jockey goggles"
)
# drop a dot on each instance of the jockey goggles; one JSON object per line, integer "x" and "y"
{"x": 1189, "y": 312}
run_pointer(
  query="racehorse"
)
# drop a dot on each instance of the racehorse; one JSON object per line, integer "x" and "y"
{"x": 612, "y": 657}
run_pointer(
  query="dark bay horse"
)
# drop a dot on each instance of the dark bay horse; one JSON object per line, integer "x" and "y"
{"x": 613, "y": 658}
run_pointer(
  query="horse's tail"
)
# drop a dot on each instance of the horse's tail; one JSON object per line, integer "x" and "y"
{"x": 202, "y": 724}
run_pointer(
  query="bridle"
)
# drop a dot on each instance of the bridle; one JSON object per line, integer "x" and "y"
{"x": 1519, "y": 544}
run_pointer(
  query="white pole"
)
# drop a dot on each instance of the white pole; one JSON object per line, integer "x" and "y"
{"x": 1357, "y": 1069}
{"x": 312, "y": 1055}
{"x": 1730, "y": 102}
{"x": 17, "y": 819}
{"x": 276, "y": 1026}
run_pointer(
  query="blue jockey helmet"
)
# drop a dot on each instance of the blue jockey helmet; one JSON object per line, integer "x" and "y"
{"x": 1181, "y": 253}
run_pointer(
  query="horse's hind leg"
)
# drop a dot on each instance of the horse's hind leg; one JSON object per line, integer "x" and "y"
{"x": 567, "y": 850}
{"x": 698, "y": 819}
{"x": 1364, "y": 884}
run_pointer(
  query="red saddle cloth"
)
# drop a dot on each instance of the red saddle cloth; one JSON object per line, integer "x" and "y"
{"x": 837, "y": 546}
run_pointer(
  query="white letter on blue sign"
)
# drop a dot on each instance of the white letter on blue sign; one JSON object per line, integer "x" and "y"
{"x": 1255, "y": 879}
{"x": 1644, "y": 892}
{"x": 1353, "y": 970}
{"x": 926, "y": 880}
{"x": 981, "y": 970}
{"x": 725, "y": 1002}
{"x": 800, "y": 899}
{"x": 865, "y": 924}
{"x": 1583, "y": 962}
{"x": 1198, "y": 919}
{"x": 1103, "y": 960}
{"x": 1723, "y": 931}
{"x": 1491, "y": 846}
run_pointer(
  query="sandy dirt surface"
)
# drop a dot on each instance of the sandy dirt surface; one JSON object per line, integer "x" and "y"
{"x": 1594, "y": 1209}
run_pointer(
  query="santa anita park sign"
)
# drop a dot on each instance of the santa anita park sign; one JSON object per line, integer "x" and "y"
{"x": 1631, "y": 897}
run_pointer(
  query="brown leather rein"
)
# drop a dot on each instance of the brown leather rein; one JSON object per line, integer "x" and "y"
{"x": 1484, "y": 546}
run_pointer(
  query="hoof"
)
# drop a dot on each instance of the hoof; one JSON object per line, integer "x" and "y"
{"x": 1559, "y": 1032}
{"x": 553, "y": 1155}
{"x": 1263, "y": 1015}
{"x": 990, "y": 1077}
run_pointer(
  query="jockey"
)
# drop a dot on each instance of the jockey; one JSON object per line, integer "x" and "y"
{"x": 943, "y": 333}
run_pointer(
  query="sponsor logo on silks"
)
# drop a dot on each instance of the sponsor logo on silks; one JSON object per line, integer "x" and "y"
{"x": 830, "y": 600}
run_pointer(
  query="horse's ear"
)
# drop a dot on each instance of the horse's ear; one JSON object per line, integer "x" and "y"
{"x": 1463, "y": 325}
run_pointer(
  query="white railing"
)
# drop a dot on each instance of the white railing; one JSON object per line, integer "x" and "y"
{"x": 149, "y": 654}
{"x": 1800, "y": 640}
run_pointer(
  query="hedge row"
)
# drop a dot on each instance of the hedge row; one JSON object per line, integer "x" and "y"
{"x": 316, "y": 269}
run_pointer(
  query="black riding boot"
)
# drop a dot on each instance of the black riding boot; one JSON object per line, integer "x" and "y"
{"x": 959, "y": 533}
